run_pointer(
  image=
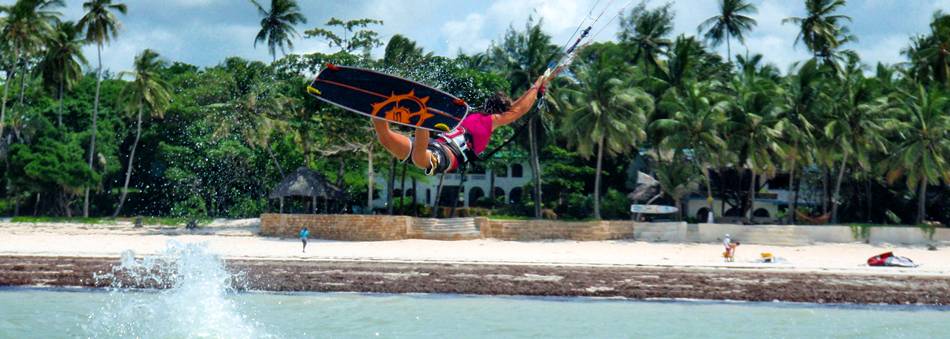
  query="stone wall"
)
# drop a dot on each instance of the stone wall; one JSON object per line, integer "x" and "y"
{"x": 526, "y": 230}
{"x": 383, "y": 227}
{"x": 351, "y": 227}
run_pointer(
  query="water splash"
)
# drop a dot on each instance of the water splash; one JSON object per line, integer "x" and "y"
{"x": 192, "y": 299}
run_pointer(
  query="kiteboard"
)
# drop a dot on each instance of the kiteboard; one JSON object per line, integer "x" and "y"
{"x": 387, "y": 97}
{"x": 652, "y": 209}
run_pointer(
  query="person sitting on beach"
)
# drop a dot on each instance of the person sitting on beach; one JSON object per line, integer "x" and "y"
{"x": 453, "y": 149}
{"x": 304, "y": 233}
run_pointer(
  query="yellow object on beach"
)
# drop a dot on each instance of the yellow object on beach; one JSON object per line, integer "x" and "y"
{"x": 767, "y": 257}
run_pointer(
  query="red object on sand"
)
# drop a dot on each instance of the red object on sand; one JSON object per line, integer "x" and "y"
{"x": 880, "y": 259}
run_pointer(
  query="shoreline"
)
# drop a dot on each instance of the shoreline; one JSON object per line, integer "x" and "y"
{"x": 67, "y": 255}
{"x": 636, "y": 283}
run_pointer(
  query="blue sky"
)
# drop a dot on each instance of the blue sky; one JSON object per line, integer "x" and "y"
{"x": 204, "y": 32}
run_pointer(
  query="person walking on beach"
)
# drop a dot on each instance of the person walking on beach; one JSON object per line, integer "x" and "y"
{"x": 304, "y": 233}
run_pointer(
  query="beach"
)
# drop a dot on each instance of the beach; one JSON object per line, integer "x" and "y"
{"x": 69, "y": 254}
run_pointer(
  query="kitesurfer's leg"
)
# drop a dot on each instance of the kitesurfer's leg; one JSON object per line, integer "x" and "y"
{"x": 397, "y": 144}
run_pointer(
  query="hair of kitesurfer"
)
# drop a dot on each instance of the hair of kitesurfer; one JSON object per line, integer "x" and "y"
{"x": 497, "y": 103}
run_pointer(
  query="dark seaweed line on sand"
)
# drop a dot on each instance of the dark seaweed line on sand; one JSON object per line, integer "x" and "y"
{"x": 526, "y": 280}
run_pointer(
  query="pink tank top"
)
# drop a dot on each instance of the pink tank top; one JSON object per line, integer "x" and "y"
{"x": 480, "y": 127}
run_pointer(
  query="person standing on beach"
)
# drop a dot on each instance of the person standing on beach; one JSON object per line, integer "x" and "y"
{"x": 304, "y": 233}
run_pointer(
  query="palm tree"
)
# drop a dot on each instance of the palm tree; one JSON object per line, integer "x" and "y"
{"x": 101, "y": 26}
{"x": 821, "y": 30}
{"x": 146, "y": 91}
{"x": 856, "y": 126}
{"x": 801, "y": 98}
{"x": 524, "y": 56}
{"x": 277, "y": 25}
{"x": 930, "y": 54}
{"x": 647, "y": 31}
{"x": 606, "y": 111}
{"x": 61, "y": 67}
{"x": 752, "y": 134}
{"x": 27, "y": 25}
{"x": 252, "y": 117}
{"x": 922, "y": 150}
{"x": 731, "y": 22}
{"x": 697, "y": 116}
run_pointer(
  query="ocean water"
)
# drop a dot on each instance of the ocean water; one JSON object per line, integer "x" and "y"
{"x": 200, "y": 303}
{"x": 42, "y": 313}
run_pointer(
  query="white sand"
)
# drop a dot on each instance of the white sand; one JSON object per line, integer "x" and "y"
{"x": 236, "y": 241}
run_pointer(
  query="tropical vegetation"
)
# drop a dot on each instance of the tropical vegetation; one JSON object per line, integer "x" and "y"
{"x": 849, "y": 141}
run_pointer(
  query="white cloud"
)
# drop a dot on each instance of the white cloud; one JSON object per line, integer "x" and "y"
{"x": 466, "y": 34}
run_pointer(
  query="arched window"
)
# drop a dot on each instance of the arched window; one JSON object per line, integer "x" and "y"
{"x": 500, "y": 170}
{"x": 516, "y": 171}
{"x": 410, "y": 193}
{"x": 397, "y": 193}
{"x": 761, "y": 213}
{"x": 499, "y": 192}
{"x": 701, "y": 215}
{"x": 474, "y": 194}
{"x": 515, "y": 196}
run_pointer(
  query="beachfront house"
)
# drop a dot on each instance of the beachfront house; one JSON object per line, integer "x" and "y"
{"x": 510, "y": 180}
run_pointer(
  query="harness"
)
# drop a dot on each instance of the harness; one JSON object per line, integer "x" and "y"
{"x": 459, "y": 142}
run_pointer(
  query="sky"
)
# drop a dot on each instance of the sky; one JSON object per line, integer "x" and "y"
{"x": 205, "y": 32}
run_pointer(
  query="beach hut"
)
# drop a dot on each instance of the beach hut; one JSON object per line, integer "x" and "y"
{"x": 307, "y": 184}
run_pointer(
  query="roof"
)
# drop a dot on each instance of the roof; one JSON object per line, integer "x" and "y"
{"x": 305, "y": 183}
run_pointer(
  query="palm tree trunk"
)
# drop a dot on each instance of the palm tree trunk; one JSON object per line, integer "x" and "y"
{"x": 600, "y": 158}
{"x": 23, "y": 76}
{"x": 535, "y": 166}
{"x": 59, "y": 115}
{"x": 438, "y": 194}
{"x": 415, "y": 193}
{"x": 791, "y": 186}
{"x": 95, "y": 116}
{"x": 922, "y": 201}
{"x": 837, "y": 196}
{"x": 371, "y": 176}
{"x": 402, "y": 190}
{"x": 729, "y": 48}
{"x": 276, "y": 163}
{"x": 390, "y": 186}
{"x": 128, "y": 171}
{"x": 824, "y": 190}
{"x": 3, "y": 104}
{"x": 709, "y": 198}
{"x": 491, "y": 190}
{"x": 751, "y": 195}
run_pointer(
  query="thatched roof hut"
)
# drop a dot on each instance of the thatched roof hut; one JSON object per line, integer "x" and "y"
{"x": 305, "y": 183}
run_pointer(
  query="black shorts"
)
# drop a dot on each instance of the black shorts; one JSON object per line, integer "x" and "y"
{"x": 443, "y": 159}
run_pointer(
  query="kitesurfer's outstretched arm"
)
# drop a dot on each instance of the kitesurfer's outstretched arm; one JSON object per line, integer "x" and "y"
{"x": 521, "y": 106}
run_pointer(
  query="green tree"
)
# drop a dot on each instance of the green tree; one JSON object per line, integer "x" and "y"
{"x": 821, "y": 30}
{"x": 930, "y": 54}
{"x": 647, "y": 32}
{"x": 731, "y": 22}
{"x": 801, "y": 99}
{"x": 856, "y": 125}
{"x": 752, "y": 134}
{"x": 924, "y": 143}
{"x": 352, "y": 39}
{"x": 606, "y": 112}
{"x": 100, "y": 25}
{"x": 523, "y": 56}
{"x": 698, "y": 116}
{"x": 61, "y": 66}
{"x": 27, "y": 25}
{"x": 277, "y": 25}
{"x": 147, "y": 91}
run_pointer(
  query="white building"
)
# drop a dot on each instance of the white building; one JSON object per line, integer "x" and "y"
{"x": 508, "y": 184}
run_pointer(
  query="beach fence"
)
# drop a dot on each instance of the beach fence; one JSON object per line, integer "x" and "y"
{"x": 353, "y": 227}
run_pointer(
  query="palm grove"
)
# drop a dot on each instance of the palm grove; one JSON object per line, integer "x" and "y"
{"x": 168, "y": 138}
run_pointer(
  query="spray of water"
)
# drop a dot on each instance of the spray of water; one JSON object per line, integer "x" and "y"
{"x": 187, "y": 294}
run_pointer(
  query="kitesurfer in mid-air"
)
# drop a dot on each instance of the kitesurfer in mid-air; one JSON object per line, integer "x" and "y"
{"x": 455, "y": 148}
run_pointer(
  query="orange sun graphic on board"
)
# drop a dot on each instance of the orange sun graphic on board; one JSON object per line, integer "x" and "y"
{"x": 403, "y": 108}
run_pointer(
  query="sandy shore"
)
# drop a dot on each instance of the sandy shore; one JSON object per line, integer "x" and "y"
{"x": 239, "y": 242}
{"x": 31, "y": 255}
